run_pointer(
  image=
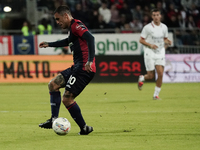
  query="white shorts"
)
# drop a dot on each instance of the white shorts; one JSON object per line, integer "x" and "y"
{"x": 150, "y": 63}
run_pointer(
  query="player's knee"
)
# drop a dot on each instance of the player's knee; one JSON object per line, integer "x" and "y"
{"x": 51, "y": 86}
{"x": 67, "y": 101}
{"x": 160, "y": 75}
{"x": 68, "y": 98}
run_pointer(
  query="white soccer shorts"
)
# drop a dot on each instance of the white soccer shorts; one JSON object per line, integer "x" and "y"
{"x": 150, "y": 63}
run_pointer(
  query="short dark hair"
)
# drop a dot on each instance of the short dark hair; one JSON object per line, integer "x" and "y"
{"x": 63, "y": 9}
{"x": 155, "y": 10}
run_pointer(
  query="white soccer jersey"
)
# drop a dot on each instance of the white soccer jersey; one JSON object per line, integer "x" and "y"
{"x": 154, "y": 34}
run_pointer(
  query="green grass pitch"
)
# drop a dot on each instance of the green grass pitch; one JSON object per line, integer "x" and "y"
{"x": 123, "y": 118}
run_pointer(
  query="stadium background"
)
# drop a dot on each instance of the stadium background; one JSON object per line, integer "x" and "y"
{"x": 116, "y": 25}
{"x": 123, "y": 117}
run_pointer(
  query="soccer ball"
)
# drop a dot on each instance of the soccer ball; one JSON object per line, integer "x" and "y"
{"x": 61, "y": 126}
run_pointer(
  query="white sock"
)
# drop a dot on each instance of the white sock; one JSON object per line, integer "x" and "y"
{"x": 142, "y": 78}
{"x": 157, "y": 91}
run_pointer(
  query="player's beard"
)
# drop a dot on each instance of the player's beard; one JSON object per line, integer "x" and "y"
{"x": 157, "y": 21}
{"x": 62, "y": 26}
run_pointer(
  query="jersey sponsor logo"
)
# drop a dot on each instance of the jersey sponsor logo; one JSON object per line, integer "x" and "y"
{"x": 83, "y": 27}
{"x": 78, "y": 27}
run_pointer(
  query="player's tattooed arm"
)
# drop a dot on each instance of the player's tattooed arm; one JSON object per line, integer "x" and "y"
{"x": 59, "y": 80}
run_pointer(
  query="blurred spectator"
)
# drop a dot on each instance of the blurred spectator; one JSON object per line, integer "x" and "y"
{"x": 173, "y": 22}
{"x": 93, "y": 19}
{"x": 95, "y": 4}
{"x": 162, "y": 8}
{"x": 127, "y": 28}
{"x": 136, "y": 25}
{"x": 115, "y": 19}
{"x": 118, "y": 3}
{"x": 80, "y": 14}
{"x": 117, "y": 30}
{"x": 58, "y": 3}
{"x": 190, "y": 23}
{"x": 172, "y": 11}
{"x": 44, "y": 27}
{"x": 181, "y": 21}
{"x": 72, "y": 4}
{"x": 86, "y": 5}
{"x": 105, "y": 12}
{"x": 188, "y": 3}
{"x": 183, "y": 12}
{"x": 122, "y": 21}
{"x": 126, "y": 11}
{"x": 194, "y": 12}
{"x": 137, "y": 13}
{"x": 27, "y": 29}
{"x": 100, "y": 24}
{"x": 146, "y": 19}
{"x": 146, "y": 11}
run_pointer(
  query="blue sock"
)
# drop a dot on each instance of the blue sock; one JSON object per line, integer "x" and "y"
{"x": 75, "y": 112}
{"x": 55, "y": 100}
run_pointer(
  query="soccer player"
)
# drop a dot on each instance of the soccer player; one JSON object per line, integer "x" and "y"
{"x": 75, "y": 78}
{"x": 154, "y": 37}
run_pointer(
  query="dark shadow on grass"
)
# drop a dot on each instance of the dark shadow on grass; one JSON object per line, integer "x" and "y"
{"x": 127, "y": 131}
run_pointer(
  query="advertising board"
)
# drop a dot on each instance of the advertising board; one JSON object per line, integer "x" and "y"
{"x": 32, "y": 68}
{"x": 105, "y": 44}
{"x": 24, "y": 45}
{"x": 6, "y": 45}
{"x": 117, "y": 44}
{"x": 182, "y": 68}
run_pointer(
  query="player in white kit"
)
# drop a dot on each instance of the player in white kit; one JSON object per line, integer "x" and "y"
{"x": 154, "y": 37}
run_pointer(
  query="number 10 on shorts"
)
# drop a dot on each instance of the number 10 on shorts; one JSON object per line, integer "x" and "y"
{"x": 71, "y": 80}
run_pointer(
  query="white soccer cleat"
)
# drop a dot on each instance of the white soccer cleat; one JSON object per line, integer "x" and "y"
{"x": 140, "y": 83}
{"x": 156, "y": 98}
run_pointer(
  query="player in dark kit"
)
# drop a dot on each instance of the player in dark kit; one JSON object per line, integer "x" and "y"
{"x": 76, "y": 78}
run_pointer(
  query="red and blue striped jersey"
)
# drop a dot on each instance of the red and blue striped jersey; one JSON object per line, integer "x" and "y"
{"x": 82, "y": 51}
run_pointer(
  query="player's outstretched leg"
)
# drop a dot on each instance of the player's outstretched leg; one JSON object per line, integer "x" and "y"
{"x": 75, "y": 112}
{"x": 55, "y": 100}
